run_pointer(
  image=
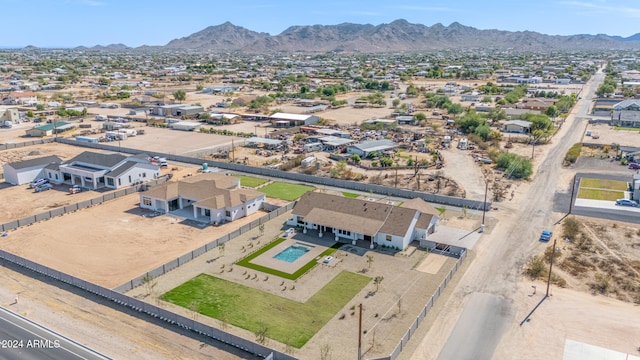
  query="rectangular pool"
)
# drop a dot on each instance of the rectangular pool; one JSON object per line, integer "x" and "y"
{"x": 293, "y": 252}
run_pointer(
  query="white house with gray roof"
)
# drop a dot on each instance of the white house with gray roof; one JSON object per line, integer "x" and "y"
{"x": 96, "y": 170}
{"x": 24, "y": 172}
{"x": 517, "y": 126}
{"x": 369, "y": 223}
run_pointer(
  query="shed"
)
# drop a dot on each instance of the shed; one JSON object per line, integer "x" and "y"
{"x": 280, "y": 119}
{"x": 24, "y": 172}
{"x": 269, "y": 143}
{"x": 185, "y": 125}
{"x": 49, "y": 129}
{"x": 367, "y": 147}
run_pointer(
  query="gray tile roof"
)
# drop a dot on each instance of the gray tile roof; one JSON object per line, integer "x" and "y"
{"x": 121, "y": 169}
{"x": 105, "y": 160}
{"x": 46, "y": 160}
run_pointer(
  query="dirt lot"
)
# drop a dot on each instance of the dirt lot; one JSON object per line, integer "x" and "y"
{"x": 111, "y": 243}
{"x": 607, "y": 135}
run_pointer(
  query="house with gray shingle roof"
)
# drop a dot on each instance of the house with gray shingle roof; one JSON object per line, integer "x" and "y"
{"x": 93, "y": 170}
{"x": 374, "y": 222}
{"x": 213, "y": 198}
{"x": 626, "y": 113}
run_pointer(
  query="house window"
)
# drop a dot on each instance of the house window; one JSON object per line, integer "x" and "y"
{"x": 228, "y": 213}
{"x": 388, "y": 237}
{"x": 50, "y": 177}
{"x": 207, "y": 212}
{"x": 56, "y": 176}
{"x": 129, "y": 179}
{"x": 119, "y": 181}
{"x": 300, "y": 219}
{"x": 144, "y": 175}
{"x": 146, "y": 201}
{"x": 110, "y": 181}
{"x": 344, "y": 232}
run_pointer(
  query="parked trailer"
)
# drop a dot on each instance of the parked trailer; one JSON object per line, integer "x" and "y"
{"x": 116, "y": 135}
{"x": 129, "y": 132}
{"x": 88, "y": 139}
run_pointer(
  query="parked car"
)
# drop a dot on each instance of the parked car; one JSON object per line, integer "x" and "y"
{"x": 37, "y": 183}
{"x": 634, "y": 165}
{"x": 289, "y": 232}
{"x": 546, "y": 235}
{"x": 626, "y": 202}
{"x": 75, "y": 189}
{"x": 43, "y": 187}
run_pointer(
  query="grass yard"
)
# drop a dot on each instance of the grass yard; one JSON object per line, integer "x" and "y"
{"x": 250, "y": 181}
{"x": 246, "y": 262}
{"x": 596, "y": 194}
{"x": 604, "y": 184}
{"x": 285, "y": 320}
{"x": 625, "y": 128}
{"x": 350, "y": 195}
{"x": 285, "y": 191}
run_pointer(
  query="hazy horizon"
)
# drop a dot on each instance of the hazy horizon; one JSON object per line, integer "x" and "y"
{"x": 72, "y": 23}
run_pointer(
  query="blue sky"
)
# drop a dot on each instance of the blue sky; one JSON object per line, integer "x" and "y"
{"x": 70, "y": 23}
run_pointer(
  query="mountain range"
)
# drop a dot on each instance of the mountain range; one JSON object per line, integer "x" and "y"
{"x": 397, "y": 36}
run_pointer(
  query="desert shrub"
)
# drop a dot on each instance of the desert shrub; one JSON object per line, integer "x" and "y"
{"x": 573, "y": 154}
{"x": 535, "y": 268}
{"x": 570, "y": 228}
{"x": 602, "y": 283}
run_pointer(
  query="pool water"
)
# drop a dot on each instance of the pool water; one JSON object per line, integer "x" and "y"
{"x": 293, "y": 252}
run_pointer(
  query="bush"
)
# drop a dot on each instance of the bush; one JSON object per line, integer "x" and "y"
{"x": 570, "y": 228}
{"x": 515, "y": 166}
{"x": 535, "y": 268}
{"x": 573, "y": 154}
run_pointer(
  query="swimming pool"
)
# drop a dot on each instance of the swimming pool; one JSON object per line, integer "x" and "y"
{"x": 293, "y": 252}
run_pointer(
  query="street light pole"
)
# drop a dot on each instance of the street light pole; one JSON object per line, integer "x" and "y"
{"x": 553, "y": 255}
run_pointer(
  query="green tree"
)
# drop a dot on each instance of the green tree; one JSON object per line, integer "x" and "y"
{"x": 419, "y": 116}
{"x": 104, "y": 81}
{"x": 30, "y": 114}
{"x": 552, "y": 112}
{"x": 515, "y": 166}
{"x": 40, "y": 107}
{"x": 455, "y": 109}
{"x": 180, "y": 95}
{"x": 356, "y": 158}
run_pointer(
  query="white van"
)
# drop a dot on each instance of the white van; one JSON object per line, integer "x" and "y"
{"x": 101, "y": 118}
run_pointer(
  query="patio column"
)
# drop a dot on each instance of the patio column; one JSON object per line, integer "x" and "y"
{"x": 353, "y": 242}
{"x": 304, "y": 230}
{"x": 336, "y": 238}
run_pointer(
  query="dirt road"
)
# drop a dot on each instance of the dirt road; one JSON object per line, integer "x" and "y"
{"x": 501, "y": 255}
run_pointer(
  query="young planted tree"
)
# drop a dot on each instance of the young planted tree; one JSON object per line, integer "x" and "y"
{"x": 180, "y": 95}
{"x": 377, "y": 280}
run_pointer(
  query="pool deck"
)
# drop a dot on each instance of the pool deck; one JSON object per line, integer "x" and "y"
{"x": 319, "y": 245}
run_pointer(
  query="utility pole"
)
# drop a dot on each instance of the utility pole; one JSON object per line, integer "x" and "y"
{"x": 553, "y": 255}
{"x": 233, "y": 152}
{"x": 573, "y": 186}
{"x": 360, "y": 334}
{"x": 484, "y": 205}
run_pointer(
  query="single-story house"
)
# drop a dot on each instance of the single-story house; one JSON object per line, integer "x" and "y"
{"x": 96, "y": 170}
{"x": 24, "y": 172}
{"x": 21, "y": 98}
{"x": 378, "y": 223}
{"x": 50, "y": 129}
{"x": 626, "y": 113}
{"x": 215, "y": 198}
{"x": 517, "y": 126}
{"x": 473, "y": 97}
{"x": 291, "y": 120}
{"x": 367, "y": 147}
{"x": 406, "y": 120}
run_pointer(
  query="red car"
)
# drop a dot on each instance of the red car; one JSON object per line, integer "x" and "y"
{"x": 634, "y": 166}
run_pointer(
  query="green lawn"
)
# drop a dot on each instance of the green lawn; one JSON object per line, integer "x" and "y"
{"x": 285, "y": 191}
{"x": 250, "y": 181}
{"x": 287, "y": 321}
{"x": 603, "y": 184}
{"x": 596, "y": 194}
{"x": 350, "y": 195}
{"x": 626, "y": 128}
{"x": 246, "y": 262}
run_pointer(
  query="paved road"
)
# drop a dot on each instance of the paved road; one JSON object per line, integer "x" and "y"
{"x": 21, "y": 339}
{"x": 493, "y": 276}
